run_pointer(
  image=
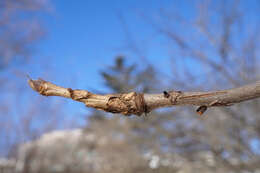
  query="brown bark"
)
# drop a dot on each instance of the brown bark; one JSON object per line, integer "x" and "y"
{"x": 139, "y": 103}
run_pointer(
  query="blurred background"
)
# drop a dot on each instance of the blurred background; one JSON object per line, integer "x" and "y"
{"x": 121, "y": 46}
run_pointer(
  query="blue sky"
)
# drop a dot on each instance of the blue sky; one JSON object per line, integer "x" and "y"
{"x": 84, "y": 37}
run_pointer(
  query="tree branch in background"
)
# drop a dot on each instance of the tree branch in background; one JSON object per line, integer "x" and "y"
{"x": 139, "y": 103}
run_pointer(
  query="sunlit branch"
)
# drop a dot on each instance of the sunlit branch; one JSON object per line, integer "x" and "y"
{"x": 139, "y": 103}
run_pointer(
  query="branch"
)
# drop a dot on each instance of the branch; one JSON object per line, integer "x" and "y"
{"x": 139, "y": 103}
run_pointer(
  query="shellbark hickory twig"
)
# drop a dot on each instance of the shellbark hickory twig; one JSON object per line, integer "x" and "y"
{"x": 140, "y": 103}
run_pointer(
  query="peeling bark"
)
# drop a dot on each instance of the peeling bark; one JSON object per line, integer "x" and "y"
{"x": 139, "y": 103}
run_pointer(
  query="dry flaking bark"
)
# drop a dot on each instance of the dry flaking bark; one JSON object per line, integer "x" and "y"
{"x": 139, "y": 103}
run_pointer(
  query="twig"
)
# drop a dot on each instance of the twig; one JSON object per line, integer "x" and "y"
{"x": 139, "y": 103}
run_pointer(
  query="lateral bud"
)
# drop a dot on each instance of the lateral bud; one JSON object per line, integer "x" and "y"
{"x": 201, "y": 109}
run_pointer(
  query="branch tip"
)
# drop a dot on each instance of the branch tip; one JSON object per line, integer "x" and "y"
{"x": 28, "y": 76}
{"x": 36, "y": 85}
